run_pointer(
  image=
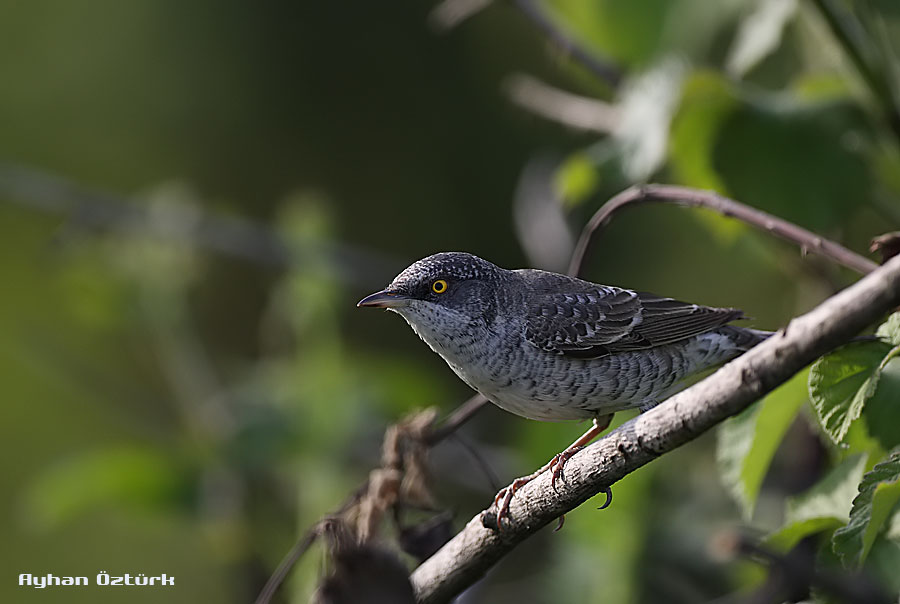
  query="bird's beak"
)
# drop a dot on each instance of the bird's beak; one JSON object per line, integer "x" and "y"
{"x": 384, "y": 299}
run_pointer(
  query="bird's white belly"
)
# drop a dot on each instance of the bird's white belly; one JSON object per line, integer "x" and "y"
{"x": 544, "y": 386}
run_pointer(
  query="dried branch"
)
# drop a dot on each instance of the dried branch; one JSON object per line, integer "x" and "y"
{"x": 398, "y": 480}
{"x": 685, "y": 416}
{"x": 808, "y": 241}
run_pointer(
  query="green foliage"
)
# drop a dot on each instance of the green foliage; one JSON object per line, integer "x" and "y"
{"x": 627, "y": 32}
{"x": 824, "y": 507}
{"x": 707, "y": 100}
{"x": 802, "y": 140}
{"x": 879, "y": 493}
{"x": 129, "y": 476}
{"x": 747, "y": 443}
{"x": 842, "y": 382}
{"x": 203, "y": 411}
{"x": 576, "y": 179}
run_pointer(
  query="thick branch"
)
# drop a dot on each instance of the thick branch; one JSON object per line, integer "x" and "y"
{"x": 807, "y": 240}
{"x": 465, "y": 558}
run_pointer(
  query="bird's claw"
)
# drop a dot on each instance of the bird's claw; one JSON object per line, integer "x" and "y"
{"x": 504, "y": 496}
{"x": 608, "y": 492}
{"x": 557, "y": 464}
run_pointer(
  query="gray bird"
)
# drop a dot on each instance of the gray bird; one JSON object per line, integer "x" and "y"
{"x": 551, "y": 347}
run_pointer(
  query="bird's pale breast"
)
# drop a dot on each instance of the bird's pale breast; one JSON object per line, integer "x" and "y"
{"x": 522, "y": 379}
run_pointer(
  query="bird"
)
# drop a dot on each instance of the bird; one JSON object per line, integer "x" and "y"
{"x": 552, "y": 347}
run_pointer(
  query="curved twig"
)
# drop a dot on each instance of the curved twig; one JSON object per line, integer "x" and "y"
{"x": 808, "y": 241}
{"x": 287, "y": 563}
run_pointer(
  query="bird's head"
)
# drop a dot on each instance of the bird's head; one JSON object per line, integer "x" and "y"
{"x": 449, "y": 286}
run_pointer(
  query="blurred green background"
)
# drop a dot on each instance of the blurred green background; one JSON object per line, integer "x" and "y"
{"x": 193, "y": 196}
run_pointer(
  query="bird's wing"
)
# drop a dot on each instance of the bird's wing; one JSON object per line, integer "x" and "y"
{"x": 598, "y": 320}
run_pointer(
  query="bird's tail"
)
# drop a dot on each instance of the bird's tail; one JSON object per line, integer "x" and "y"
{"x": 746, "y": 338}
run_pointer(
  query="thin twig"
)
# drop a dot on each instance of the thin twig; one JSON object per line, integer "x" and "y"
{"x": 807, "y": 240}
{"x": 287, "y": 563}
{"x": 230, "y": 236}
{"x": 480, "y": 461}
{"x": 684, "y": 417}
{"x": 460, "y": 415}
{"x": 607, "y": 72}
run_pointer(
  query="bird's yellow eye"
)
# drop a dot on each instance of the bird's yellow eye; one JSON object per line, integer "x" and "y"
{"x": 439, "y": 286}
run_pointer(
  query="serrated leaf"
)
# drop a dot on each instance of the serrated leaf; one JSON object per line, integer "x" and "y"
{"x": 825, "y": 506}
{"x": 879, "y": 492}
{"x": 747, "y": 443}
{"x": 841, "y": 382}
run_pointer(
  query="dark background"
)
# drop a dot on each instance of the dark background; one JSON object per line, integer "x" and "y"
{"x": 180, "y": 399}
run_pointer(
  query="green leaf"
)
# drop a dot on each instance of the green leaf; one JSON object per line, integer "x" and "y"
{"x": 825, "y": 506}
{"x": 890, "y": 329}
{"x": 126, "y": 476}
{"x": 747, "y": 443}
{"x": 879, "y": 492}
{"x": 841, "y": 382}
{"x": 707, "y": 100}
{"x": 882, "y": 413}
{"x": 576, "y": 179}
{"x": 766, "y": 150}
{"x": 788, "y": 536}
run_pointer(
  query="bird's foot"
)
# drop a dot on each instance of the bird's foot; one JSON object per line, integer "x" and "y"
{"x": 504, "y": 496}
{"x": 558, "y": 462}
{"x": 556, "y": 465}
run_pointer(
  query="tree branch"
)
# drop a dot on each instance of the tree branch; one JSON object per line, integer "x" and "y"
{"x": 466, "y": 558}
{"x": 684, "y": 196}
